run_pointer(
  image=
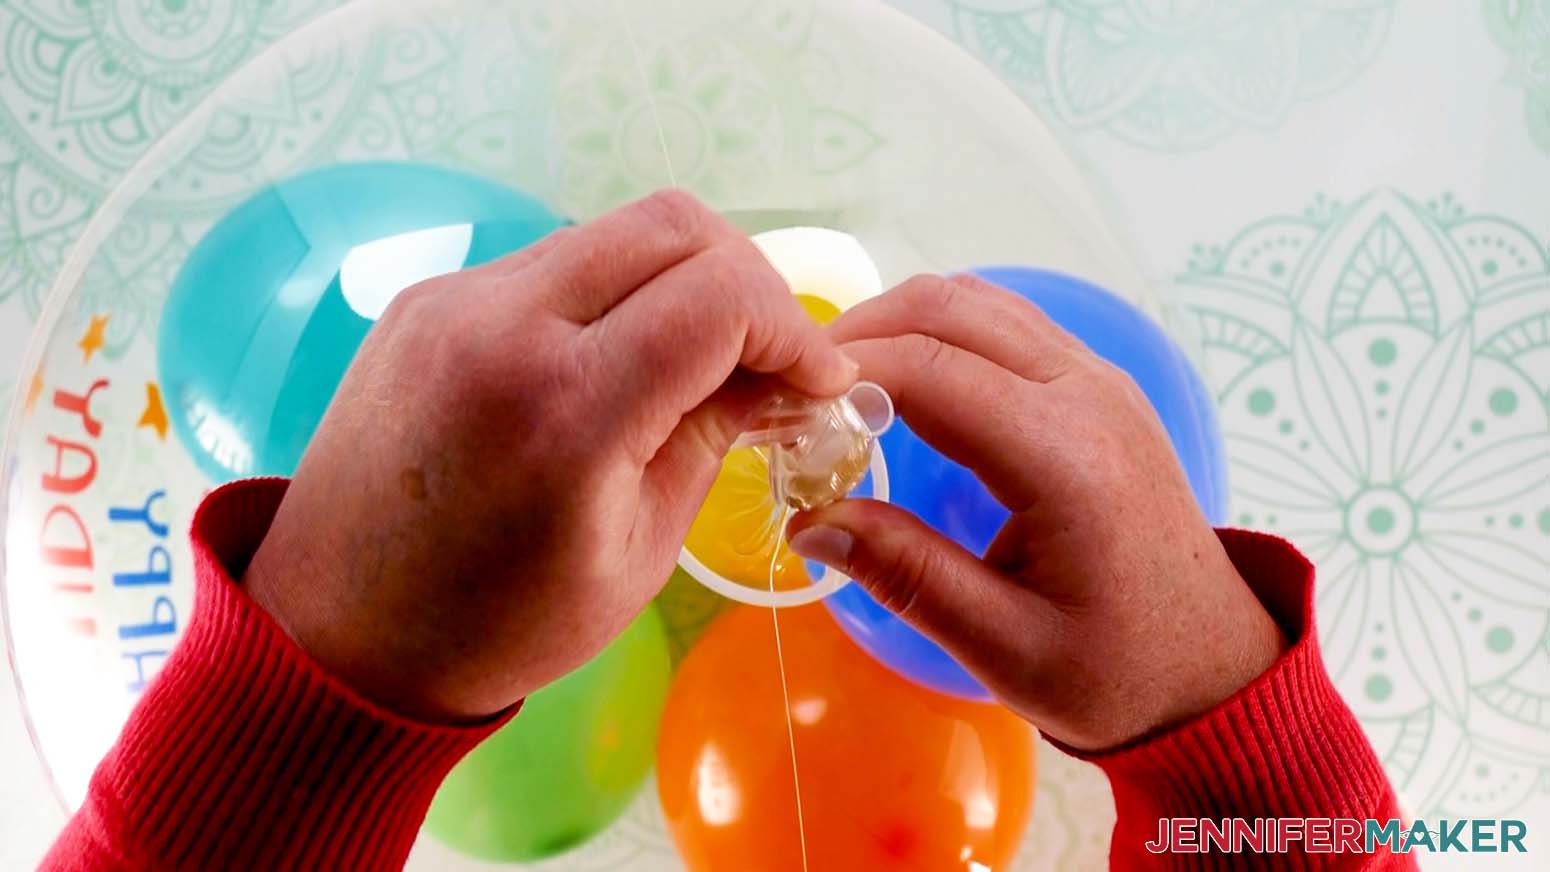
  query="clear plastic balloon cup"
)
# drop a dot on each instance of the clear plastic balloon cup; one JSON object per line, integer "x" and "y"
{"x": 798, "y": 441}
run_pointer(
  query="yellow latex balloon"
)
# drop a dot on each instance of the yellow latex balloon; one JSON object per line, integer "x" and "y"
{"x": 822, "y": 264}
{"x": 818, "y": 308}
{"x": 734, "y": 534}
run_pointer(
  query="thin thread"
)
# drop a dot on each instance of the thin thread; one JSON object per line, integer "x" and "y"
{"x": 785, "y": 692}
{"x": 780, "y": 533}
{"x": 651, "y": 100}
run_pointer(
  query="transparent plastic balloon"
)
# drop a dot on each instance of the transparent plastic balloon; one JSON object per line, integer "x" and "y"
{"x": 839, "y": 114}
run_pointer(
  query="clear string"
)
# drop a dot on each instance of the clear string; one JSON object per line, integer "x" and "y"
{"x": 651, "y": 99}
{"x": 780, "y": 528}
{"x": 785, "y": 692}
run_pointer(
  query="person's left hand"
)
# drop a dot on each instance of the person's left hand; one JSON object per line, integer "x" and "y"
{"x": 513, "y": 460}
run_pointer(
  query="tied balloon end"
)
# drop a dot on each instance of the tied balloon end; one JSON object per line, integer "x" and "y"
{"x": 820, "y": 450}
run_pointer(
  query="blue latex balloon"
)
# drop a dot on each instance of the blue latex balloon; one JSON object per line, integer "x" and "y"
{"x": 949, "y": 498}
{"x": 271, "y": 305}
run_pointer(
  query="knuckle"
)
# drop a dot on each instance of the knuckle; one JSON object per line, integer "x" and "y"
{"x": 770, "y": 349}
{"x": 1108, "y": 461}
{"x": 752, "y": 279}
{"x": 929, "y": 291}
{"x": 720, "y": 299}
{"x": 900, "y": 579}
{"x": 676, "y": 211}
{"x": 411, "y": 305}
{"x": 1116, "y": 379}
{"x": 574, "y": 374}
{"x": 918, "y": 357}
{"x": 704, "y": 436}
{"x": 454, "y": 360}
{"x": 472, "y": 368}
{"x": 755, "y": 270}
{"x": 1032, "y": 318}
{"x": 948, "y": 296}
{"x": 561, "y": 234}
{"x": 968, "y": 283}
{"x": 928, "y": 352}
{"x": 541, "y": 249}
{"x": 947, "y": 293}
{"x": 728, "y": 274}
{"x": 1107, "y": 446}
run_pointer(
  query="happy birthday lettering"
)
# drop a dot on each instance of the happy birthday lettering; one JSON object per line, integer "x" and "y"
{"x": 64, "y": 542}
{"x": 147, "y": 641}
{"x": 67, "y": 550}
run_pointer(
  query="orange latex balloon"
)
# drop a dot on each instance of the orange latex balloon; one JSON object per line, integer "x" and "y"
{"x": 893, "y": 776}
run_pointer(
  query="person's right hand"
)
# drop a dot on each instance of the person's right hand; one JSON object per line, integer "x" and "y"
{"x": 1106, "y": 608}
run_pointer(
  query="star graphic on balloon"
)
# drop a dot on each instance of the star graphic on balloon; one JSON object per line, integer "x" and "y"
{"x": 155, "y": 414}
{"x": 95, "y": 337}
{"x": 34, "y": 389}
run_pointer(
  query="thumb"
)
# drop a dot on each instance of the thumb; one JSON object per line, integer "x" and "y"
{"x": 677, "y": 479}
{"x": 933, "y": 583}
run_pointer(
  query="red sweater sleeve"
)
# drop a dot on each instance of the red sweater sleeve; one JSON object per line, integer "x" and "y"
{"x": 244, "y": 753}
{"x": 1285, "y": 746}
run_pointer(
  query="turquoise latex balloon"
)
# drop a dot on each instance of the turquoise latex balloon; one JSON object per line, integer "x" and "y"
{"x": 271, "y": 305}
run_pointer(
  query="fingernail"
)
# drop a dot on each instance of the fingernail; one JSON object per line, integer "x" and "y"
{"x": 827, "y": 545}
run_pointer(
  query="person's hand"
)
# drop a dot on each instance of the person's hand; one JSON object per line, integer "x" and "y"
{"x": 511, "y": 464}
{"x": 1106, "y": 608}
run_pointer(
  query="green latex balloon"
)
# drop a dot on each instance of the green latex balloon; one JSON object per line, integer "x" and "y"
{"x": 687, "y": 609}
{"x": 569, "y": 763}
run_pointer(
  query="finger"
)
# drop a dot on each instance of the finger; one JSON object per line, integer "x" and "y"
{"x": 605, "y": 260}
{"x": 671, "y": 344}
{"x": 677, "y": 480}
{"x": 970, "y": 409}
{"x": 971, "y": 313}
{"x": 931, "y": 582}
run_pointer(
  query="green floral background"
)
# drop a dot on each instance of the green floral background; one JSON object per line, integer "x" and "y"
{"x": 1522, "y": 28}
{"x": 1343, "y": 202}
{"x": 1173, "y": 75}
{"x": 1382, "y": 372}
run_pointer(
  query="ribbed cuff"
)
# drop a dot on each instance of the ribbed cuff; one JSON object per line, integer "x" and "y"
{"x": 245, "y": 753}
{"x": 1286, "y": 745}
